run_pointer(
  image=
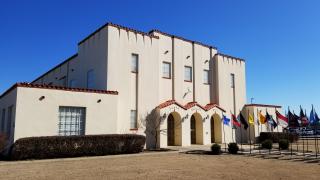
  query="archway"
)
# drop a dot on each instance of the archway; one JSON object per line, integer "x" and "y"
{"x": 216, "y": 132}
{"x": 174, "y": 136}
{"x": 196, "y": 128}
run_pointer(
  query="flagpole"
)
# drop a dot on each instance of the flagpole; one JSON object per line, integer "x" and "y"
{"x": 302, "y": 124}
{"x": 224, "y": 135}
{"x": 305, "y": 113}
{"x": 249, "y": 132}
{"x": 241, "y": 135}
{"x": 278, "y": 130}
{"x": 259, "y": 147}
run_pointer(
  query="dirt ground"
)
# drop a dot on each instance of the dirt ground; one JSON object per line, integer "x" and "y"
{"x": 161, "y": 166}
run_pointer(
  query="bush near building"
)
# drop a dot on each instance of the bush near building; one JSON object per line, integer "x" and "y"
{"x": 284, "y": 144}
{"x": 276, "y": 136}
{"x": 215, "y": 149}
{"x": 75, "y": 146}
{"x": 233, "y": 148}
{"x": 3, "y": 142}
{"x": 267, "y": 144}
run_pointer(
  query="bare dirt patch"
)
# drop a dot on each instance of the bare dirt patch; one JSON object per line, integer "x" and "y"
{"x": 161, "y": 166}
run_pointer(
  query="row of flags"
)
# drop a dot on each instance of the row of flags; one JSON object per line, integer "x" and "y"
{"x": 289, "y": 120}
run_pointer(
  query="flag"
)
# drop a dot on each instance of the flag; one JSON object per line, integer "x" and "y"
{"x": 225, "y": 120}
{"x": 251, "y": 119}
{"x": 243, "y": 121}
{"x": 262, "y": 118}
{"x": 235, "y": 121}
{"x": 316, "y": 117}
{"x": 312, "y": 117}
{"x": 283, "y": 121}
{"x": 303, "y": 118}
{"x": 271, "y": 121}
{"x": 293, "y": 120}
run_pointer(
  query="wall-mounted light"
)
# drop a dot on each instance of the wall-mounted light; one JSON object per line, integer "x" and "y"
{"x": 42, "y": 98}
{"x": 206, "y": 61}
{"x": 187, "y": 116}
{"x": 164, "y": 116}
{"x": 166, "y": 52}
{"x": 188, "y": 57}
{"x": 72, "y": 70}
{"x": 99, "y": 101}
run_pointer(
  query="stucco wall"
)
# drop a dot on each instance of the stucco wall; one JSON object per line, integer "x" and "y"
{"x": 35, "y": 117}
{"x": 9, "y": 100}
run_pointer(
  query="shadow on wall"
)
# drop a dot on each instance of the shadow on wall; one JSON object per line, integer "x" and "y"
{"x": 151, "y": 125}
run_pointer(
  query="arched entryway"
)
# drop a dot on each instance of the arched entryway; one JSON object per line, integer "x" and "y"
{"x": 216, "y": 133}
{"x": 196, "y": 127}
{"x": 174, "y": 136}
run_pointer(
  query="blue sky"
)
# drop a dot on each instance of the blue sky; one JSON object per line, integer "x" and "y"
{"x": 280, "y": 41}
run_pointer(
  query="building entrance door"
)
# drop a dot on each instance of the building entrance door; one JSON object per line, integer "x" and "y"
{"x": 193, "y": 130}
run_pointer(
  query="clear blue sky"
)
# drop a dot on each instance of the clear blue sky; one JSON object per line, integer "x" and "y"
{"x": 280, "y": 41}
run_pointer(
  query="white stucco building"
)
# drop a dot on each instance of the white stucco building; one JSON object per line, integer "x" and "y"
{"x": 121, "y": 78}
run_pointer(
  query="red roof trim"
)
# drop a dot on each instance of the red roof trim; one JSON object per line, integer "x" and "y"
{"x": 190, "y": 105}
{"x": 44, "y": 86}
{"x": 263, "y": 105}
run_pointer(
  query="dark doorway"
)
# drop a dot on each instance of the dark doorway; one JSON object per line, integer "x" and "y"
{"x": 193, "y": 129}
{"x": 170, "y": 130}
{"x": 212, "y": 130}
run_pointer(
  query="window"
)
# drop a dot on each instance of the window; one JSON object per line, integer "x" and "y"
{"x": 73, "y": 83}
{"x": 232, "y": 80}
{"x": 133, "y": 119}
{"x": 206, "y": 76}
{"x": 71, "y": 121}
{"x": 90, "y": 79}
{"x": 3, "y": 119}
{"x": 188, "y": 73}
{"x": 9, "y": 121}
{"x": 166, "y": 70}
{"x": 134, "y": 63}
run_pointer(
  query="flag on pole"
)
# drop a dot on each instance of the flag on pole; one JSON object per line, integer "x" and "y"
{"x": 235, "y": 122}
{"x": 312, "y": 117}
{"x": 251, "y": 119}
{"x": 316, "y": 117}
{"x": 225, "y": 120}
{"x": 303, "y": 118}
{"x": 293, "y": 120}
{"x": 243, "y": 121}
{"x": 283, "y": 121}
{"x": 271, "y": 121}
{"x": 262, "y": 118}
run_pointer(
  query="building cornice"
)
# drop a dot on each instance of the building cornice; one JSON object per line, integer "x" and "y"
{"x": 61, "y": 88}
{"x": 228, "y": 56}
{"x": 181, "y": 38}
{"x": 190, "y": 105}
{"x": 120, "y": 27}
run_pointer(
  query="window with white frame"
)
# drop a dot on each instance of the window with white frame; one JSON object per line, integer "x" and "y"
{"x": 9, "y": 121}
{"x": 206, "y": 77}
{"x": 133, "y": 119}
{"x": 71, "y": 121}
{"x": 232, "y": 80}
{"x": 3, "y": 119}
{"x": 166, "y": 70}
{"x": 90, "y": 79}
{"x": 188, "y": 73}
{"x": 134, "y": 63}
{"x": 73, "y": 83}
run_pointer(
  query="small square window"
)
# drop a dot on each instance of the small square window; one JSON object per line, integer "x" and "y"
{"x": 232, "y": 80}
{"x": 166, "y": 70}
{"x": 206, "y": 76}
{"x": 133, "y": 119}
{"x": 188, "y": 73}
{"x": 134, "y": 63}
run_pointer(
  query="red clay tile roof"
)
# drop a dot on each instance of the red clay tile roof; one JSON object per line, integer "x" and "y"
{"x": 263, "y": 105}
{"x": 44, "y": 86}
{"x": 190, "y": 105}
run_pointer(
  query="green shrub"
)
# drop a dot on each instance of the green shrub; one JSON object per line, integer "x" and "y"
{"x": 216, "y": 149}
{"x": 283, "y": 144}
{"x": 233, "y": 148}
{"x": 75, "y": 146}
{"x": 276, "y": 136}
{"x": 267, "y": 144}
